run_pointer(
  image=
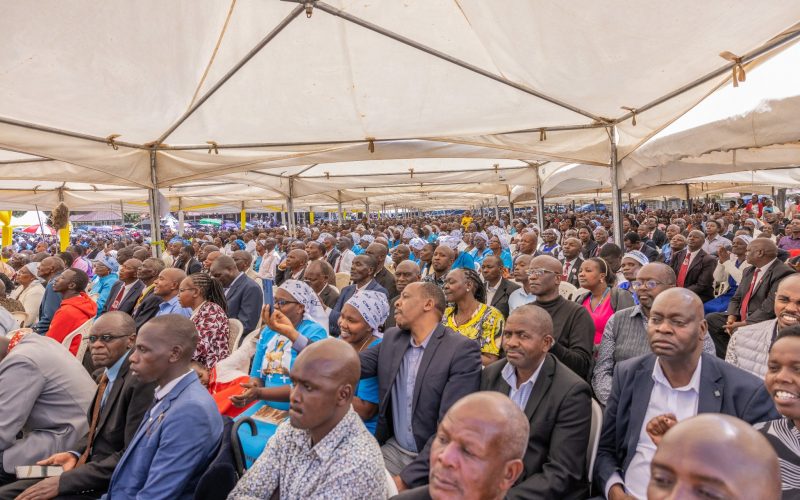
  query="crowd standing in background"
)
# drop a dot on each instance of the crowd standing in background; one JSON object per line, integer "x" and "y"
{"x": 453, "y": 356}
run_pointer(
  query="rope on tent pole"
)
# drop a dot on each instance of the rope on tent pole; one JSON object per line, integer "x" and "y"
{"x": 213, "y": 146}
{"x": 737, "y": 70}
{"x": 110, "y": 141}
{"x": 633, "y": 113}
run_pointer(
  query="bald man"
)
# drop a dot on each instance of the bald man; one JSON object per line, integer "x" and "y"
{"x": 677, "y": 379}
{"x": 555, "y": 400}
{"x": 165, "y": 458}
{"x": 478, "y": 451}
{"x": 754, "y": 300}
{"x": 49, "y": 269}
{"x": 166, "y": 287}
{"x": 324, "y": 379}
{"x": 717, "y": 454}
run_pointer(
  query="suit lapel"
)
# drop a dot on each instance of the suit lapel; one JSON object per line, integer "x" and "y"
{"x": 114, "y": 393}
{"x": 427, "y": 356}
{"x": 711, "y": 387}
{"x": 501, "y": 290}
{"x": 541, "y": 387}
{"x": 640, "y": 399}
{"x": 697, "y": 259}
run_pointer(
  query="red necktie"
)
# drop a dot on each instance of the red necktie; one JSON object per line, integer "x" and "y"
{"x": 684, "y": 269}
{"x": 566, "y": 270}
{"x": 115, "y": 304}
{"x": 746, "y": 300}
{"x": 339, "y": 263}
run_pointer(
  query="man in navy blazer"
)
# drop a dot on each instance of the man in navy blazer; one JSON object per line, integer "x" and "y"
{"x": 180, "y": 433}
{"x": 243, "y": 295}
{"x": 361, "y": 273}
{"x": 677, "y": 381}
{"x": 423, "y": 368}
{"x": 130, "y": 286}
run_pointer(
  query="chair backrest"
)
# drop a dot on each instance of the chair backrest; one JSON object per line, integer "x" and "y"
{"x": 566, "y": 290}
{"x": 236, "y": 330}
{"x": 594, "y": 437}
{"x": 220, "y": 477}
{"x": 83, "y": 331}
{"x": 342, "y": 280}
{"x": 21, "y": 317}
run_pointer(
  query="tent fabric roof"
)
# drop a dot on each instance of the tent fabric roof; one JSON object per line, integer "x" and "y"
{"x": 424, "y": 79}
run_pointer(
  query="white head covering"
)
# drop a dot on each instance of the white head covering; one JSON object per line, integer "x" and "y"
{"x": 637, "y": 256}
{"x": 373, "y": 307}
{"x": 409, "y": 233}
{"x": 417, "y": 243}
{"x": 747, "y": 239}
{"x": 33, "y": 268}
{"x": 450, "y": 241}
{"x": 481, "y": 235}
{"x": 306, "y": 296}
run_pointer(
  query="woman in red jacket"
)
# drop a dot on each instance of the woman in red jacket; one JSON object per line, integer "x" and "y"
{"x": 76, "y": 307}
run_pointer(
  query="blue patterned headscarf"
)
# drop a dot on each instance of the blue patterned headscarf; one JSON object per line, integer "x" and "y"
{"x": 373, "y": 307}
{"x": 304, "y": 294}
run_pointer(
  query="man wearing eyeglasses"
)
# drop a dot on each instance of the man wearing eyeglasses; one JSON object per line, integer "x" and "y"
{"x": 625, "y": 334}
{"x": 118, "y": 407}
{"x": 677, "y": 381}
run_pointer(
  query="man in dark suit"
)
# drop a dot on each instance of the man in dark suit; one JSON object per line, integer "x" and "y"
{"x": 316, "y": 277}
{"x": 147, "y": 303}
{"x": 119, "y": 405}
{"x": 754, "y": 300}
{"x": 423, "y": 368}
{"x": 675, "y": 382}
{"x": 382, "y": 275}
{"x": 294, "y": 267}
{"x": 498, "y": 289}
{"x": 633, "y": 242}
{"x": 331, "y": 253}
{"x": 127, "y": 289}
{"x": 656, "y": 235}
{"x": 572, "y": 261}
{"x": 407, "y": 272}
{"x": 361, "y": 273}
{"x": 555, "y": 400}
{"x": 243, "y": 295}
{"x": 694, "y": 267}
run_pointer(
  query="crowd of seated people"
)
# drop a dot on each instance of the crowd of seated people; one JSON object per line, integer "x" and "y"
{"x": 450, "y": 357}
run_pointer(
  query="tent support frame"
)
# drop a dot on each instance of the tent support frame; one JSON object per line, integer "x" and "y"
{"x": 616, "y": 192}
{"x": 539, "y": 202}
{"x": 155, "y": 210}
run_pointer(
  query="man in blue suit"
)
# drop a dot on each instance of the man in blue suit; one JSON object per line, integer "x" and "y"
{"x": 362, "y": 274}
{"x": 674, "y": 383}
{"x": 180, "y": 433}
{"x": 243, "y": 295}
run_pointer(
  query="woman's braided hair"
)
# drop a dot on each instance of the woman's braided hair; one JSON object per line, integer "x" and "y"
{"x": 210, "y": 288}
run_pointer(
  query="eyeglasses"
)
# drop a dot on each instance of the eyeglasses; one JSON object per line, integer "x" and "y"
{"x": 649, "y": 284}
{"x": 105, "y": 338}
{"x": 539, "y": 272}
{"x": 282, "y": 302}
{"x": 181, "y": 290}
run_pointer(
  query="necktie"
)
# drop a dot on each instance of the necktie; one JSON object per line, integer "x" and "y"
{"x": 118, "y": 299}
{"x": 566, "y": 270}
{"x": 338, "y": 263}
{"x": 746, "y": 300}
{"x": 684, "y": 269}
{"x": 101, "y": 389}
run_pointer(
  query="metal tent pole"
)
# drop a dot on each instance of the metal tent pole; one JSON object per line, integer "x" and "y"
{"x": 539, "y": 201}
{"x": 688, "y": 200}
{"x": 496, "y": 208}
{"x": 155, "y": 212}
{"x": 180, "y": 216}
{"x": 616, "y": 192}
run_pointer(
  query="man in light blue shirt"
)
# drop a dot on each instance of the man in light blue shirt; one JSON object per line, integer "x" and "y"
{"x": 166, "y": 286}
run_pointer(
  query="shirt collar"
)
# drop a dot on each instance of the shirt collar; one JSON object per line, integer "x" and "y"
{"x": 347, "y": 426}
{"x": 171, "y": 302}
{"x": 694, "y": 383}
{"x": 113, "y": 372}
{"x": 238, "y": 276}
{"x": 766, "y": 266}
{"x": 424, "y": 343}
{"x": 161, "y": 392}
{"x": 509, "y": 374}
{"x": 637, "y": 311}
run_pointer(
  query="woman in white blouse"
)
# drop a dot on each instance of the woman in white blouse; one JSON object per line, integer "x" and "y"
{"x": 30, "y": 291}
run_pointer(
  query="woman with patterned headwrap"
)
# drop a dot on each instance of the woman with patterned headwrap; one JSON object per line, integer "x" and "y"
{"x": 29, "y": 292}
{"x": 498, "y": 244}
{"x": 298, "y": 319}
{"x": 359, "y": 321}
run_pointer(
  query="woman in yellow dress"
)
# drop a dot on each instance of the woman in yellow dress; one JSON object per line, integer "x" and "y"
{"x": 470, "y": 316}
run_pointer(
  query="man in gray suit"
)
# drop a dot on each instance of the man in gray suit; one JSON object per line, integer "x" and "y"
{"x": 44, "y": 395}
{"x": 423, "y": 368}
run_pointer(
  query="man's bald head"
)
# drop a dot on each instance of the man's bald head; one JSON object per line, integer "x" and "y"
{"x": 761, "y": 252}
{"x": 546, "y": 262}
{"x": 677, "y": 326}
{"x": 716, "y": 452}
{"x": 334, "y": 359}
{"x": 660, "y": 272}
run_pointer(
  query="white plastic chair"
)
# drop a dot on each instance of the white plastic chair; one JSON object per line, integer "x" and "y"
{"x": 83, "y": 331}
{"x": 594, "y": 437}
{"x": 236, "y": 330}
{"x": 342, "y": 280}
{"x": 391, "y": 487}
{"x": 566, "y": 290}
{"x": 21, "y": 317}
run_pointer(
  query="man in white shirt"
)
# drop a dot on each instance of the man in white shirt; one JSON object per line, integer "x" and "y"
{"x": 345, "y": 260}
{"x": 677, "y": 381}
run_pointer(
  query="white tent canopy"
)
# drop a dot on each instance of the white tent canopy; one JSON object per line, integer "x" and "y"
{"x": 141, "y": 94}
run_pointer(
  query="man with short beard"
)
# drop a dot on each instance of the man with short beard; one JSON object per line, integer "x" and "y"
{"x": 442, "y": 261}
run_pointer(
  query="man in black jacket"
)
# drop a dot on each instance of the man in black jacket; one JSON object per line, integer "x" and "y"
{"x": 423, "y": 368}
{"x": 382, "y": 275}
{"x": 498, "y": 289}
{"x": 127, "y": 289}
{"x": 119, "y": 405}
{"x": 698, "y": 267}
{"x": 555, "y": 400}
{"x": 147, "y": 303}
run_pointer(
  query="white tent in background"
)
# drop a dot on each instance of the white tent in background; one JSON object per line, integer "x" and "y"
{"x": 31, "y": 218}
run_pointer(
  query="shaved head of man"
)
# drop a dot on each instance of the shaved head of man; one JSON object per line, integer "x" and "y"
{"x": 164, "y": 348}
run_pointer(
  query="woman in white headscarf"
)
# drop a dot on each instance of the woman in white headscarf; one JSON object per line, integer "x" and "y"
{"x": 297, "y": 320}
{"x": 359, "y": 324}
{"x": 30, "y": 292}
